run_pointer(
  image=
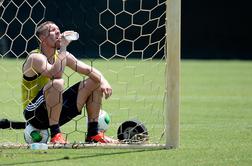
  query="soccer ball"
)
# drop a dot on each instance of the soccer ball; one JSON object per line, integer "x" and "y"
{"x": 103, "y": 121}
{"x": 32, "y": 135}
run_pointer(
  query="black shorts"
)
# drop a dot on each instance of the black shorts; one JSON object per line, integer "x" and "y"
{"x": 36, "y": 113}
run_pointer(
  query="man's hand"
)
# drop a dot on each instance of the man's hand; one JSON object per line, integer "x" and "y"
{"x": 106, "y": 89}
{"x": 64, "y": 42}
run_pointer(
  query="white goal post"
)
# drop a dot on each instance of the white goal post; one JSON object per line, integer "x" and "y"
{"x": 173, "y": 23}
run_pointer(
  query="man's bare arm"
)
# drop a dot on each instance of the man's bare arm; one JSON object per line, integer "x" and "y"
{"x": 91, "y": 72}
{"x": 37, "y": 63}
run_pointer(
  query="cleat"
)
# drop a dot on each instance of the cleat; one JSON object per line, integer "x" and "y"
{"x": 58, "y": 139}
{"x": 100, "y": 138}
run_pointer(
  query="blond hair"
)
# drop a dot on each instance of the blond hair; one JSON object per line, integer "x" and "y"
{"x": 41, "y": 29}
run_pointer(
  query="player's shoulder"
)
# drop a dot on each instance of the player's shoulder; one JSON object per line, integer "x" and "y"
{"x": 35, "y": 59}
{"x": 35, "y": 51}
{"x": 36, "y": 55}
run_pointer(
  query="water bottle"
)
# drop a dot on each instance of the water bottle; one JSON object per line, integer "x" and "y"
{"x": 72, "y": 36}
{"x": 38, "y": 146}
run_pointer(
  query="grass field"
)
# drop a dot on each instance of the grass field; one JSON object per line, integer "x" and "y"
{"x": 216, "y": 120}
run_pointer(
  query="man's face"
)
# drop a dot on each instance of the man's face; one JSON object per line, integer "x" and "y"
{"x": 53, "y": 36}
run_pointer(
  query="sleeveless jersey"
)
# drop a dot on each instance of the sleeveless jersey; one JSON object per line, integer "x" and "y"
{"x": 32, "y": 85}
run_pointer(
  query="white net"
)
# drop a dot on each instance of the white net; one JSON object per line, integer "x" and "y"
{"x": 139, "y": 30}
{"x": 125, "y": 40}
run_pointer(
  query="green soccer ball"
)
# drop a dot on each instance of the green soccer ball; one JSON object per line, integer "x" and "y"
{"x": 33, "y": 135}
{"x": 103, "y": 121}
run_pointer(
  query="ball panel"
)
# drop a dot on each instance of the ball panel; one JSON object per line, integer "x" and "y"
{"x": 103, "y": 121}
{"x": 32, "y": 135}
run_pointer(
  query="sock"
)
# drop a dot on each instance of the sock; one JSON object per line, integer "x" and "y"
{"x": 92, "y": 129}
{"x": 54, "y": 129}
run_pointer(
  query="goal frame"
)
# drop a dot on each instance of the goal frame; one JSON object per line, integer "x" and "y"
{"x": 172, "y": 88}
{"x": 173, "y": 30}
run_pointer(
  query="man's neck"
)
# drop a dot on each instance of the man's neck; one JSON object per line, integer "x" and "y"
{"x": 48, "y": 52}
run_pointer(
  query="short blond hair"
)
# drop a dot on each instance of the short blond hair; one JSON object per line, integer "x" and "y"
{"x": 42, "y": 28}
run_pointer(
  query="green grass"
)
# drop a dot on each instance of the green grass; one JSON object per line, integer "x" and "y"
{"x": 215, "y": 123}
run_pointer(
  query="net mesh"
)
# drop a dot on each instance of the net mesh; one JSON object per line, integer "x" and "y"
{"x": 123, "y": 39}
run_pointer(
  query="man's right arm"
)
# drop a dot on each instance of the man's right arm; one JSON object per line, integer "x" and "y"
{"x": 38, "y": 63}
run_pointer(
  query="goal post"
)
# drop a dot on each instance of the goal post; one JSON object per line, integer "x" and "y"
{"x": 173, "y": 22}
{"x": 134, "y": 43}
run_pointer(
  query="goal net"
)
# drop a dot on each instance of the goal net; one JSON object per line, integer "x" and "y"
{"x": 125, "y": 39}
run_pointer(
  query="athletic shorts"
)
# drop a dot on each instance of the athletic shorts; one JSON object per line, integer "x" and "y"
{"x": 36, "y": 113}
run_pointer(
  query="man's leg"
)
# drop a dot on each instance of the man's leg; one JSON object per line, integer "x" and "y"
{"x": 53, "y": 96}
{"x": 90, "y": 94}
{"x": 93, "y": 106}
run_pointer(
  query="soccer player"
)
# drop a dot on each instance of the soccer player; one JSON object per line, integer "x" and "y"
{"x": 45, "y": 103}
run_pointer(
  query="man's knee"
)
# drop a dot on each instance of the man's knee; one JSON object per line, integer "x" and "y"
{"x": 88, "y": 90}
{"x": 90, "y": 85}
{"x": 58, "y": 84}
{"x": 55, "y": 85}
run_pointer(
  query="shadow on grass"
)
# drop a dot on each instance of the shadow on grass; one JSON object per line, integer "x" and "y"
{"x": 81, "y": 157}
